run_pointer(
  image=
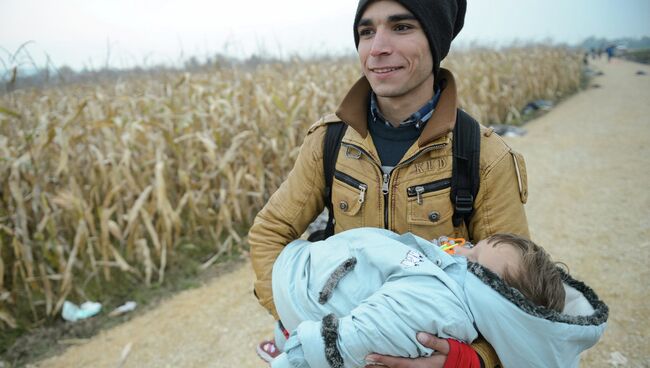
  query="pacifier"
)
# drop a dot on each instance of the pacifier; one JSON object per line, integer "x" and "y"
{"x": 447, "y": 244}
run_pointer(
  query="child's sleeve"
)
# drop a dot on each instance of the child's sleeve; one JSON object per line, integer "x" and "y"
{"x": 385, "y": 323}
{"x": 281, "y": 361}
{"x": 297, "y": 355}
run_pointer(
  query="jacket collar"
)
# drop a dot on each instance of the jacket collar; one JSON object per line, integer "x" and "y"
{"x": 354, "y": 109}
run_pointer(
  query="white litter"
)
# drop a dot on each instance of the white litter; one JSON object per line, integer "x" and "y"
{"x": 124, "y": 308}
{"x": 72, "y": 313}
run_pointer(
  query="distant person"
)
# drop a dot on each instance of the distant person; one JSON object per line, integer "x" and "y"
{"x": 395, "y": 166}
{"x": 333, "y": 293}
{"x": 610, "y": 52}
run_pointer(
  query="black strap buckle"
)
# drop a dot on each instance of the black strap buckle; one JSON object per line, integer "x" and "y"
{"x": 464, "y": 203}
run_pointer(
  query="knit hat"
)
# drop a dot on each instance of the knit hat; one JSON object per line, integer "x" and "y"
{"x": 441, "y": 21}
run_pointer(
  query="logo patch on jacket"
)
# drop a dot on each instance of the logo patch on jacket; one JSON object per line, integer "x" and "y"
{"x": 413, "y": 258}
{"x": 433, "y": 164}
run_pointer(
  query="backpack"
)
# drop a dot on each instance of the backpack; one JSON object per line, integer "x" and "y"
{"x": 466, "y": 147}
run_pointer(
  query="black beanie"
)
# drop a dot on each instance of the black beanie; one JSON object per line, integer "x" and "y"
{"x": 441, "y": 21}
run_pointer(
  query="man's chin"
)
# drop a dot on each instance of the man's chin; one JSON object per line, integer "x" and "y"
{"x": 382, "y": 88}
{"x": 387, "y": 92}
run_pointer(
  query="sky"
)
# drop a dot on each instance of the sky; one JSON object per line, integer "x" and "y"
{"x": 126, "y": 33}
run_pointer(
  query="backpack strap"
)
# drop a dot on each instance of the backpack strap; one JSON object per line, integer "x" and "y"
{"x": 331, "y": 146}
{"x": 466, "y": 147}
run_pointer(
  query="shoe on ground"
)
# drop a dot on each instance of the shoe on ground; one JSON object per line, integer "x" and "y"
{"x": 267, "y": 350}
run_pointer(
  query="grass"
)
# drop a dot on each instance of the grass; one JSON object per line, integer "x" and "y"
{"x": 27, "y": 343}
{"x": 639, "y": 56}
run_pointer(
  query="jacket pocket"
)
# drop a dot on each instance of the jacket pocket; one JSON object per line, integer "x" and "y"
{"x": 348, "y": 197}
{"x": 430, "y": 209}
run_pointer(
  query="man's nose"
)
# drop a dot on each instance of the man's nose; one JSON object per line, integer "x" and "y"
{"x": 381, "y": 43}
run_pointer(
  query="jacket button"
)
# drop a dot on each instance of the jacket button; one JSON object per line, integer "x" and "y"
{"x": 438, "y": 262}
{"x": 343, "y": 206}
{"x": 434, "y": 216}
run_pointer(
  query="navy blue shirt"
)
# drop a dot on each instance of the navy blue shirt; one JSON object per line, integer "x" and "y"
{"x": 391, "y": 142}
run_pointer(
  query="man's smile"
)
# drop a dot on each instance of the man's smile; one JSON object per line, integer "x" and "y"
{"x": 384, "y": 70}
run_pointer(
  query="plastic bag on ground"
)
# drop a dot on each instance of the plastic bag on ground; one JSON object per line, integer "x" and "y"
{"x": 72, "y": 313}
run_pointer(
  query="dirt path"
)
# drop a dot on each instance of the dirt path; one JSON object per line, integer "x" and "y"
{"x": 589, "y": 173}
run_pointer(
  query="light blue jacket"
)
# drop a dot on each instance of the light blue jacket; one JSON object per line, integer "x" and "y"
{"x": 370, "y": 290}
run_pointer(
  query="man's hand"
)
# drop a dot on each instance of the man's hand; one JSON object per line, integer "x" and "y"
{"x": 437, "y": 360}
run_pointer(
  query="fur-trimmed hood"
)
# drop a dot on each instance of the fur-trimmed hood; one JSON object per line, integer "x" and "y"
{"x": 527, "y": 335}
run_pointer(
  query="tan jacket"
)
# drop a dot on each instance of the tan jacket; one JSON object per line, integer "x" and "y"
{"x": 363, "y": 196}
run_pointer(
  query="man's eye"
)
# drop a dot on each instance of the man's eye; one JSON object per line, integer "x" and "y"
{"x": 365, "y": 32}
{"x": 402, "y": 27}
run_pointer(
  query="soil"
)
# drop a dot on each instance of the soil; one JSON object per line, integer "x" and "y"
{"x": 588, "y": 167}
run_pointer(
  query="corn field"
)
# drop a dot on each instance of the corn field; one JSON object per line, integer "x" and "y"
{"x": 106, "y": 178}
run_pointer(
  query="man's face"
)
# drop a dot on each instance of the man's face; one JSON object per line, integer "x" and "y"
{"x": 495, "y": 257}
{"x": 394, "y": 51}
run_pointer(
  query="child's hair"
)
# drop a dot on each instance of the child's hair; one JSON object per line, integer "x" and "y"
{"x": 537, "y": 277}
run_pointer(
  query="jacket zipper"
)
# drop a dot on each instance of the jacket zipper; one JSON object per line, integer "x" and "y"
{"x": 385, "y": 186}
{"x": 347, "y": 179}
{"x": 419, "y": 190}
{"x": 384, "y": 190}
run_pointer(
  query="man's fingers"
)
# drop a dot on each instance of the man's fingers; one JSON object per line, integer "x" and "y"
{"x": 433, "y": 342}
{"x": 436, "y": 361}
{"x": 374, "y": 360}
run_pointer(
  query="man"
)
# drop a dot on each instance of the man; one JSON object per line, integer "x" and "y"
{"x": 395, "y": 161}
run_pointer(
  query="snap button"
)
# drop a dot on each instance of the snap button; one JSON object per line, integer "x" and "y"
{"x": 351, "y": 152}
{"x": 434, "y": 216}
{"x": 438, "y": 262}
{"x": 343, "y": 206}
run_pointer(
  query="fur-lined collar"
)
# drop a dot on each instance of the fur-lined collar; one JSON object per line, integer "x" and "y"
{"x": 601, "y": 311}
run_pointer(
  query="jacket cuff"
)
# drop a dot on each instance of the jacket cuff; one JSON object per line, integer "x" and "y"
{"x": 271, "y": 308}
{"x": 266, "y": 302}
{"x": 486, "y": 354}
{"x": 461, "y": 355}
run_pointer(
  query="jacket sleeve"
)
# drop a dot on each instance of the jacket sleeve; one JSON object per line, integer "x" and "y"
{"x": 499, "y": 206}
{"x": 287, "y": 214}
{"x": 294, "y": 355}
{"x": 386, "y": 323}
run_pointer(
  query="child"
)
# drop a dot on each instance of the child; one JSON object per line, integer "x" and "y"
{"x": 370, "y": 290}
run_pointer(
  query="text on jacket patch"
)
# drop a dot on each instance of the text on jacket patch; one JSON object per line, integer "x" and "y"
{"x": 433, "y": 164}
{"x": 413, "y": 258}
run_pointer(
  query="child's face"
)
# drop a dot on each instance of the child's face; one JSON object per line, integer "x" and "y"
{"x": 495, "y": 257}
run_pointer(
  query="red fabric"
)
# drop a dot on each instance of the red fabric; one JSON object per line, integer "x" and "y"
{"x": 461, "y": 355}
{"x": 285, "y": 332}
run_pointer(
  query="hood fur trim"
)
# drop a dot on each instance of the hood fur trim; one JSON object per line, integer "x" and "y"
{"x": 601, "y": 311}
